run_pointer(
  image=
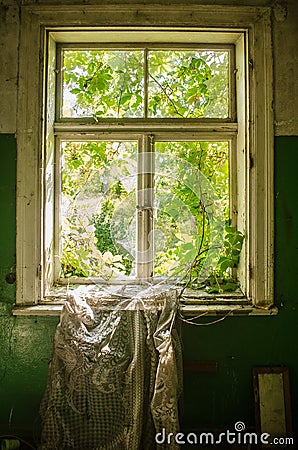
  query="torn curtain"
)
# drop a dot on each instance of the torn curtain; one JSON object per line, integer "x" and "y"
{"x": 115, "y": 374}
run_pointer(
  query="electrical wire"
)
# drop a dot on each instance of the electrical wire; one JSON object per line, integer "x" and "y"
{"x": 190, "y": 321}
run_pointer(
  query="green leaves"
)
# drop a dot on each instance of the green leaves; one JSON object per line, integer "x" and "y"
{"x": 185, "y": 83}
{"x": 222, "y": 279}
{"x": 86, "y": 233}
{"x": 233, "y": 244}
{"x": 110, "y": 83}
{"x": 212, "y": 159}
{"x": 101, "y": 83}
{"x": 103, "y": 230}
{"x": 88, "y": 236}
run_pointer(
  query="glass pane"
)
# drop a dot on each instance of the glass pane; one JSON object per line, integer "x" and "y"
{"x": 97, "y": 209}
{"x": 191, "y": 204}
{"x": 188, "y": 84}
{"x": 102, "y": 83}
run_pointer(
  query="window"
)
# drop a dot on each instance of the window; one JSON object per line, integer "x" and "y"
{"x": 141, "y": 192}
{"x": 130, "y": 112}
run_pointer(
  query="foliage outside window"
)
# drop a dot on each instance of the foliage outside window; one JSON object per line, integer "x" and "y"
{"x": 156, "y": 83}
{"x": 99, "y": 178}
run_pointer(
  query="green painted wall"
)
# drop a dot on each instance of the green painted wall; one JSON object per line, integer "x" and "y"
{"x": 25, "y": 343}
{"x": 238, "y": 344}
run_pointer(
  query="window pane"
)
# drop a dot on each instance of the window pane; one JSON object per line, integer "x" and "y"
{"x": 97, "y": 209}
{"x": 181, "y": 84}
{"x": 191, "y": 189}
{"x": 188, "y": 84}
{"x": 103, "y": 83}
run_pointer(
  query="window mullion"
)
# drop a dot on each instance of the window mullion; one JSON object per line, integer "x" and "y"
{"x": 145, "y": 202}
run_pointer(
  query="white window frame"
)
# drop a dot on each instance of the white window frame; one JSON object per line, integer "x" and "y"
{"x": 254, "y": 165}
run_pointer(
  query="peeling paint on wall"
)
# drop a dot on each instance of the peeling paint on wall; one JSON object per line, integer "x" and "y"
{"x": 285, "y": 38}
{"x": 9, "y": 35}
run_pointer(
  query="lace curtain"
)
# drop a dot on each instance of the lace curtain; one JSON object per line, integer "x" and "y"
{"x": 115, "y": 374}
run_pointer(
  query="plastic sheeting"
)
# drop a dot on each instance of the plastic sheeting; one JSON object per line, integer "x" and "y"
{"x": 115, "y": 374}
